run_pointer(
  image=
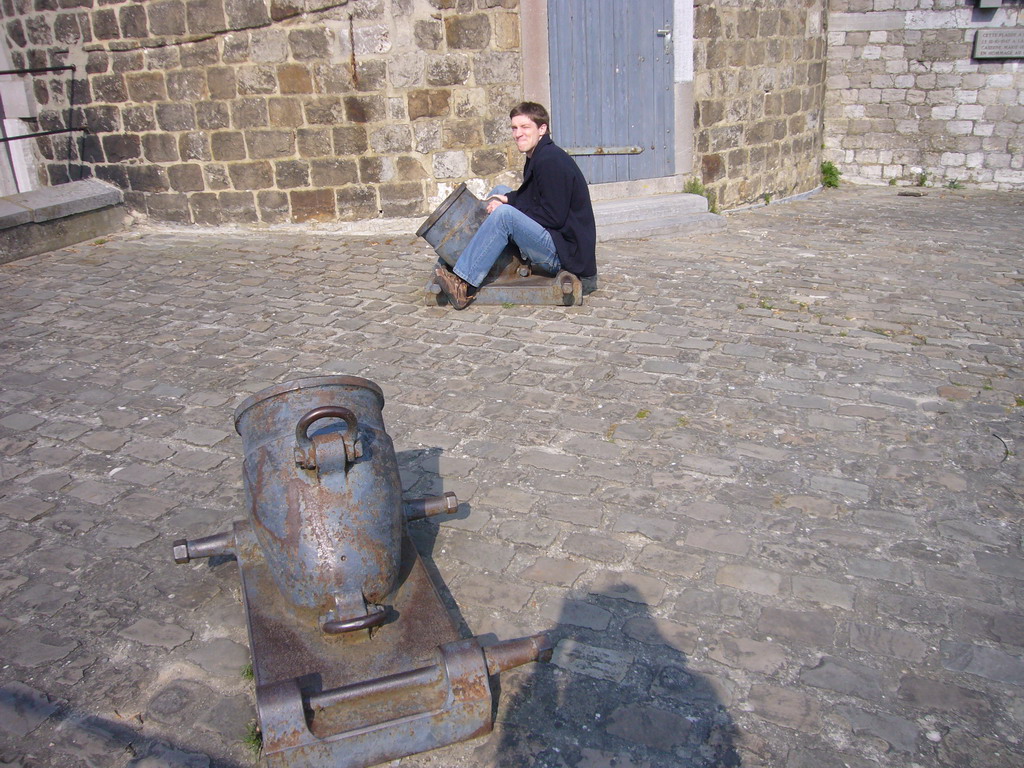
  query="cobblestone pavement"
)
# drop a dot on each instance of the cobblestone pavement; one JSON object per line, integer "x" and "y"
{"x": 764, "y": 487}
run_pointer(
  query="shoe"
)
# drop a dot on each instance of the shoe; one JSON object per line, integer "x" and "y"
{"x": 454, "y": 287}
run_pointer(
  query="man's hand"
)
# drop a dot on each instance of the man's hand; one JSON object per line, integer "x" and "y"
{"x": 494, "y": 201}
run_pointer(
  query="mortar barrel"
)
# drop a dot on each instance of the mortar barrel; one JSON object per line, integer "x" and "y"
{"x": 453, "y": 223}
{"x": 323, "y": 492}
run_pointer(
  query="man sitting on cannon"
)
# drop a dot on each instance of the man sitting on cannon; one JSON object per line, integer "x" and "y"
{"x": 549, "y": 218}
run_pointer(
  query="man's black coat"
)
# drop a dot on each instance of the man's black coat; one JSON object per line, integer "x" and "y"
{"x": 555, "y": 195}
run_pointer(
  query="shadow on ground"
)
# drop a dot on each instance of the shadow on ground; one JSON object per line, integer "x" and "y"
{"x": 584, "y": 708}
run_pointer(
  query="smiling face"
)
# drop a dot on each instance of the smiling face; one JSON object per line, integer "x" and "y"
{"x": 527, "y": 134}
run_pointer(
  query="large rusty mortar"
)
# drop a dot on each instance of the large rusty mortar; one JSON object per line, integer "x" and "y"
{"x": 323, "y": 554}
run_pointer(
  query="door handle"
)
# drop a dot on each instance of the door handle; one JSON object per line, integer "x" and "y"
{"x": 667, "y": 34}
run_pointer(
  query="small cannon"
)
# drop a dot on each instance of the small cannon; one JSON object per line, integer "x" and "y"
{"x": 355, "y": 657}
{"x": 511, "y": 281}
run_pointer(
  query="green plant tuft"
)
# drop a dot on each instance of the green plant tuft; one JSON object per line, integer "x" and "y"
{"x": 253, "y": 739}
{"x": 955, "y": 184}
{"x": 696, "y": 187}
{"x": 830, "y": 174}
{"x": 643, "y": 413}
{"x": 922, "y": 178}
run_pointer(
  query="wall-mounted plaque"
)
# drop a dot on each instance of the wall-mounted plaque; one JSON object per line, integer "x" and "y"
{"x": 999, "y": 43}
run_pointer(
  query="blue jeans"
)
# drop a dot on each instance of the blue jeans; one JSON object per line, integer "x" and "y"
{"x": 503, "y": 224}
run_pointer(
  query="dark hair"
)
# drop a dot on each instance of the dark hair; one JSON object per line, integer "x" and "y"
{"x": 532, "y": 110}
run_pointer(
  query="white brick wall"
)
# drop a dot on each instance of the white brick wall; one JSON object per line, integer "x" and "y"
{"x": 906, "y": 98}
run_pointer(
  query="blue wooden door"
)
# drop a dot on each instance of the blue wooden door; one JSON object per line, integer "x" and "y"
{"x": 611, "y": 85}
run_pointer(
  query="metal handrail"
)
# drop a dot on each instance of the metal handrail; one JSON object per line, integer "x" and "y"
{"x": 37, "y": 70}
{"x": 9, "y": 139}
{"x": 5, "y": 140}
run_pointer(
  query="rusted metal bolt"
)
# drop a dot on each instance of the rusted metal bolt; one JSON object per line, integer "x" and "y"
{"x": 181, "y": 555}
{"x": 205, "y": 546}
{"x": 514, "y": 653}
{"x": 451, "y": 502}
{"x": 417, "y": 509}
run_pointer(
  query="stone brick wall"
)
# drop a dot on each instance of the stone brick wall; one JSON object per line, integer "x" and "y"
{"x": 759, "y": 97}
{"x": 907, "y": 103}
{"x": 246, "y": 111}
{"x": 275, "y": 111}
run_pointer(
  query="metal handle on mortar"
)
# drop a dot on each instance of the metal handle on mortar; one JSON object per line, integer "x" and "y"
{"x": 369, "y": 621}
{"x": 305, "y": 448}
{"x": 496, "y": 658}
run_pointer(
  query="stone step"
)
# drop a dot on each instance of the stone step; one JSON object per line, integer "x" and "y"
{"x": 54, "y": 217}
{"x": 626, "y": 209}
{"x": 660, "y": 227}
{"x": 621, "y": 219}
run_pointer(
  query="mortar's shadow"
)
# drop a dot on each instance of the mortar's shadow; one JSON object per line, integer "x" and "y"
{"x": 421, "y": 477}
{"x": 90, "y": 735}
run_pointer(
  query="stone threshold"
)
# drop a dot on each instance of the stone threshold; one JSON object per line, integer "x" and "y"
{"x": 666, "y": 215}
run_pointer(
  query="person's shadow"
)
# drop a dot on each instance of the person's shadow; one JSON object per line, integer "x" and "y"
{"x": 619, "y": 692}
